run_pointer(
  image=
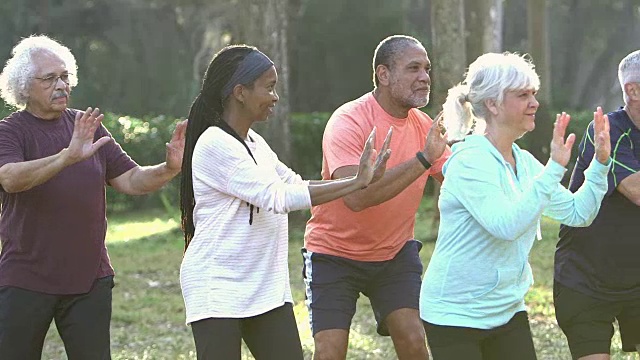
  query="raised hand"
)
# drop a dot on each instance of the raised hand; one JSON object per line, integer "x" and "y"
{"x": 368, "y": 160}
{"x": 381, "y": 161}
{"x": 561, "y": 149}
{"x": 601, "y": 134}
{"x": 436, "y": 141}
{"x": 81, "y": 145}
{"x": 175, "y": 147}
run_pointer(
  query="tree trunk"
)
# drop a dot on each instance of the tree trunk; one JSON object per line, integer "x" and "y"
{"x": 484, "y": 27}
{"x": 539, "y": 139}
{"x": 264, "y": 24}
{"x": 449, "y": 55}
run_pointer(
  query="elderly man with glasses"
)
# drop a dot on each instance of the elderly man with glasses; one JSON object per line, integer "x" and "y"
{"x": 54, "y": 165}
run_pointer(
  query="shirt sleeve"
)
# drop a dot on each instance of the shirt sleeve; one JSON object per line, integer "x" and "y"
{"x": 284, "y": 172}
{"x": 11, "y": 148}
{"x": 287, "y": 175}
{"x": 224, "y": 164}
{"x": 343, "y": 142}
{"x": 623, "y": 157}
{"x": 11, "y": 145}
{"x": 472, "y": 177}
{"x": 118, "y": 161}
{"x": 580, "y": 208}
{"x": 624, "y": 161}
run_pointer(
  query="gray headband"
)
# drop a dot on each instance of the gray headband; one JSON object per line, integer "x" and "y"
{"x": 249, "y": 69}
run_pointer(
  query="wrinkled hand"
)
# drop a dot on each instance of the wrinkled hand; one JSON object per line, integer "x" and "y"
{"x": 436, "y": 141}
{"x": 380, "y": 165}
{"x": 175, "y": 147}
{"x": 602, "y": 137}
{"x": 81, "y": 146}
{"x": 561, "y": 149}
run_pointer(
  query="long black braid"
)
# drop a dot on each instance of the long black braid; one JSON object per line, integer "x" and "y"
{"x": 206, "y": 111}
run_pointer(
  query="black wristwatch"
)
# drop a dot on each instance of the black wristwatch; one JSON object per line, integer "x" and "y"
{"x": 423, "y": 160}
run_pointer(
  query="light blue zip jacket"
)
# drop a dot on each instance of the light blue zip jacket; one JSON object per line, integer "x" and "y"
{"x": 479, "y": 271}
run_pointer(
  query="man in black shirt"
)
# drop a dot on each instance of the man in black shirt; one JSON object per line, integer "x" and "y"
{"x": 597, "y": 270}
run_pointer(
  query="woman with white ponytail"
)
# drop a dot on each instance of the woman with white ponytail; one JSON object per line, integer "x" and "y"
{"x": 491, "y": 202}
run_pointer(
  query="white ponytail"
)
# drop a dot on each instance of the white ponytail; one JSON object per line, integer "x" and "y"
{"x": 489, "y": 77}
{"x": 457, "y": 113}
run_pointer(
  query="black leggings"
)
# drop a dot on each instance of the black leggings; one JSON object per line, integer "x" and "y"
{"x": 510, "y": 341}
{"x": 269, "y": 336}
{"x": 82, "y": 321}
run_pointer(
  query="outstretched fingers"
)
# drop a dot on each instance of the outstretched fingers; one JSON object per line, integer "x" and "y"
{"x": 82, "y": 143}
{"x": 560, "y": 130}
{"x": 571, "y": 139}
{"x": 436, "y": 141}
{"x": 602, "y": 136}
{"x": 369, "y": 145}
{"x": 100, "y": 142}
{"x": 437, "y": 125}
{"x": 180, "y": 132}
{"x": 87, "y": 122}
{"x": 387, "y": 140}
{"x": 561, "y": 148}
{"x": 560, "y": 127}
{"x": 385, "y": 152}
{"x": 598, "y": 120}
{"x": 438, "y": 121}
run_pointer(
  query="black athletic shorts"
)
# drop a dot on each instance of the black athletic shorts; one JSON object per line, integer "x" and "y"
{"x": 588, "y": 322}
{"x": 333, "y": 285}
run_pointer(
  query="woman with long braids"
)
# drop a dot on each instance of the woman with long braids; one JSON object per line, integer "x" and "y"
{"x": 491, "y": 202}
{"x": 234, "y": 197}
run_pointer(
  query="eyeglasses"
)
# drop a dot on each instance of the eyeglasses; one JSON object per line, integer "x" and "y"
{"x": 50, "y": 80}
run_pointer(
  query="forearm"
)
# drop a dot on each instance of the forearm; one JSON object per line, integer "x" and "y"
{"x": 146, "y": 179}
{"x": 579, "y": 209}
{"x": 475, "y": 182}
{"x": 325, "y": 191}
{"x": 629, "y": 187}
{"x": 393, "y": 182}
{"x": 319, "y": 182}
{"x": 23, "y": 176}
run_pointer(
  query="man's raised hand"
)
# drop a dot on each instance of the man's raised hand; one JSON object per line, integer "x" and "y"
{"x": 436, "y": 141}
{"x": 175, "y": 147}
{"x": 82, "y": 146}
{"x": 380, "y": 165}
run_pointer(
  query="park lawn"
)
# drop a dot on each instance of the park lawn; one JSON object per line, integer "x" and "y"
{"x": 148, "y": 311}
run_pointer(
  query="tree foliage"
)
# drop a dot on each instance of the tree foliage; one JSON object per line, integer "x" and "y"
{"x": 147, "y": 57}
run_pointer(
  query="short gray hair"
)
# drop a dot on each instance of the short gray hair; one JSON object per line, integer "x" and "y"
{"x": 489, "y": 77}
{"x": 388, "y": 50}
{"x": 19, "y": 69}
{"x": 629, "y": 71}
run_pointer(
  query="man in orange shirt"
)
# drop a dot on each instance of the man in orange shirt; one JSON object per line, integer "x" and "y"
{"x": 364, "y": 243}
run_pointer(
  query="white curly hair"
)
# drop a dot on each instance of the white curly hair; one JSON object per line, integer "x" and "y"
{"x": 19, "y": 70}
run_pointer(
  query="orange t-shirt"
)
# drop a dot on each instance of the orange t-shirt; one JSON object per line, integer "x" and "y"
{"x": 378, "y": 232}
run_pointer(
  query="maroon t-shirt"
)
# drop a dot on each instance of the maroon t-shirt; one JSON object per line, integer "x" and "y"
{"x": 53, "y": 235}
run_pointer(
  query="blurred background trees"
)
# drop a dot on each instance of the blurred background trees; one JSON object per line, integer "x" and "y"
{"x": 142, "y": 57}
{"x": 146, "y": 58}
{"x": 164, "y": 45}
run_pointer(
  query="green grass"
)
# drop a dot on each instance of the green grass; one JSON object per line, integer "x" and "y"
{"x": 148, "y": 310}
{"x": 134, "y": 226}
